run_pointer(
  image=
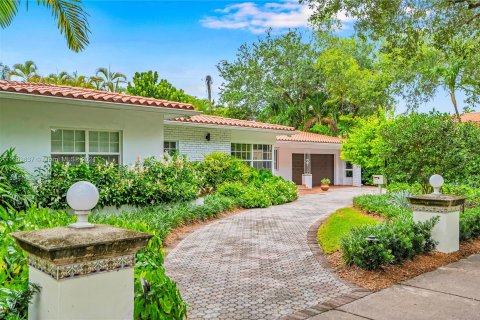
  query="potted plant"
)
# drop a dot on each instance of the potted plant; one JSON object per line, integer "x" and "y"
{"x": 325, "y": 184}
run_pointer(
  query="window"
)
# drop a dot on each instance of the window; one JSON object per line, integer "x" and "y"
{"x": 170, "y": 147}
{"x": 69, "y": 145}
{"x": 348, "y": 169}
{"x": 242, "y": 151}
{"x": 256, "y": 155}
{"x": 262, "y": 156}
{"x": 275, "y": 159}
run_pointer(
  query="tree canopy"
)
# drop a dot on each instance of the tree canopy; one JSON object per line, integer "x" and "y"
{"x": 406, "y": 24}
{"x": 298, "y": 81}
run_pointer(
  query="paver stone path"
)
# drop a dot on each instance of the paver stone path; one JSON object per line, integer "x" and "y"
{"x": 257, "y": 264}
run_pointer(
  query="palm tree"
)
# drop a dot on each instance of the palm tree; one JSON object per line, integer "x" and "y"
{"x": 4, "y": 71}
{"x": 78, "y": 80}
{"x": 72, "y": 19}
{"x": 111, "y": 80}
{"x": 26, "y": 72}
{"x": 58, "y": 78}
{"x": 96, "y": 82}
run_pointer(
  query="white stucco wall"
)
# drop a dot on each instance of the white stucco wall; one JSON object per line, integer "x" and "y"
{"x": 26, "y": 124}
{"x": 286, "y": 149}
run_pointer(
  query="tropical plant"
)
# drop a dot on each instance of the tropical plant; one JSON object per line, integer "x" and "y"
{"x": 111, "y": 81}
{"x": 15, "y": 189}
{"x": 72, "y": 19}
{"x": 25, "y": 72}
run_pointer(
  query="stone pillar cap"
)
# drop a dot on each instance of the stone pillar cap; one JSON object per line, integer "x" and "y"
{"x": 437, "y": 200}
{"x": 64, "y": 245}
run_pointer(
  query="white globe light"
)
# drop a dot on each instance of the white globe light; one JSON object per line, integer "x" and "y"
{"x": 82, "y": 196}
{"x": 436, "y": 181}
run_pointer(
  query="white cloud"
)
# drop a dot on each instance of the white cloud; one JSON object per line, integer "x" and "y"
{"x": 256, "y": 18}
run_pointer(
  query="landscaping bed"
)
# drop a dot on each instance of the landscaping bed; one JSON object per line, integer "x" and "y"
{"x": 376, "y": 256}
{"x": 391, "y": 274}
{"x": 161, "y": 190}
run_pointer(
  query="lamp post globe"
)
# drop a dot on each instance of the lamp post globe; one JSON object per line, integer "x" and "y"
{"x": 82, "y": 197}
{"x": 436, "y": 181}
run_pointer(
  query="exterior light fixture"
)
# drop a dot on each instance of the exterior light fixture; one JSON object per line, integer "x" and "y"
{"x": 82, "y": 197}
{"x": 372, "y": 239}
{"x": 436, "y": 181}
{"x": 207, "y": 136}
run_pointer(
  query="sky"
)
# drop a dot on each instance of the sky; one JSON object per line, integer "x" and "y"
{"x": 182, "y": 40}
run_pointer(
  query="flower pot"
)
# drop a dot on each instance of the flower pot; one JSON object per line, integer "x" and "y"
{"x": 324, "y": 187}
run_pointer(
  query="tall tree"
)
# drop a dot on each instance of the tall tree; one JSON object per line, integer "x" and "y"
{"x": 357, "y": 79}
{"x": 273, "y": 79}
{"x": 148, "y": 84}
{"x": 25, "y": 72}
{"x": 405, "y": 24}
{"x": 70, "y": 15}
{"x": 111, "y": 81}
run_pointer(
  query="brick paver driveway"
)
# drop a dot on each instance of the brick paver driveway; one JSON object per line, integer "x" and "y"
{"x": 257, "y": 264}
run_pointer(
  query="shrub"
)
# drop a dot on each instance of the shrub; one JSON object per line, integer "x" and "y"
{"x": 471, "y": 194}
{"x": 414, "y": 188}
{"x": 170, "y": 179}
{"x": 149, "y": 183}
{"x": 393, "y": 243}
{"x": 219, "y": 167}
{"x": 379, "y": 204}
{"x": 470, "y": 224}
{"x": 15, "y": 188}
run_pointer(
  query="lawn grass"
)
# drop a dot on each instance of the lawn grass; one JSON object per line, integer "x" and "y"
{"x": 338, "y": 225}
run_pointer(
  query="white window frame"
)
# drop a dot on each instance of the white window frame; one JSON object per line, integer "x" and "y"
{"x": 348, "y": 169}
{"x": 87, "y": 154}
{"x": 251, "y": 161}
{"x": 177, "y": 146}
{"x": 276, "y": 152}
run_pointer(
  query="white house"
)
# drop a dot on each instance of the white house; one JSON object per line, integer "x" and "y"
{"x": 317, "y": 154}
{"x": 48, "y": 122}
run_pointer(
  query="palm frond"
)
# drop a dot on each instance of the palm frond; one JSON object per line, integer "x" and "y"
{"x": 8, "y": 10}
{"x": 72, "y": 21}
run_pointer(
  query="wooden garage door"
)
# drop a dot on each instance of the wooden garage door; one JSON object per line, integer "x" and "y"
{"x": 322, "y": 167}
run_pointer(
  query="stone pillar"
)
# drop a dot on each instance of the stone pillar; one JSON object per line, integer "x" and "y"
{"x": 307, "y": 180}
{"x": 357, "y": 176}
{"x": 83, "y": 273}
{"x": 447, "y": 208}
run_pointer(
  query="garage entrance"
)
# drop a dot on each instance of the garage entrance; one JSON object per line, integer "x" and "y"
{"x": 322, "y": 167}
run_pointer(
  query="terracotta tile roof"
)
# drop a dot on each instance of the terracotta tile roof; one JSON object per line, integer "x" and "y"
{"x": 471, "y": 117}
{"x": 43, "y": 89}
{"x": 302, "y": 136}
{"x": 221, "y": 121}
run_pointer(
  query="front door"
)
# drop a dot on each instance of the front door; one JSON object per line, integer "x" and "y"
{"x": 322, "y": 167}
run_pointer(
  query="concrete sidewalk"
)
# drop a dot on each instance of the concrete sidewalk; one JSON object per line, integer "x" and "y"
{"x": 450, "y": 292}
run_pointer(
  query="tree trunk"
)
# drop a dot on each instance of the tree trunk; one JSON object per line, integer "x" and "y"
{"x": 454, "y": 101}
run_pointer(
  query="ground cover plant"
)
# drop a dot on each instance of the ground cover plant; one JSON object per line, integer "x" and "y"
{"x": 339, "y": 224}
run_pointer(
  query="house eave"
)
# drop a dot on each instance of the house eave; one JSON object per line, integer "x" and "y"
{"x": 170, "y": 112}
{"x": 225, "y": 127}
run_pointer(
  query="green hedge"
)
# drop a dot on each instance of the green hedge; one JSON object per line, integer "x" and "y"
{"x": 150, "y": 182}
{"x": 396, "y": 241}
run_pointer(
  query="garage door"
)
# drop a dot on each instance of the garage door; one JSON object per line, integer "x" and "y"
{"x": 322, "y": 167}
